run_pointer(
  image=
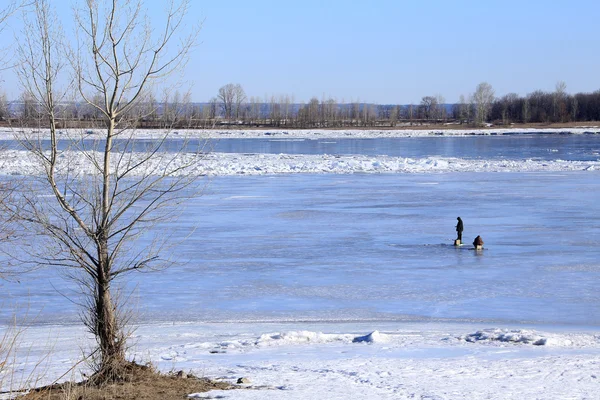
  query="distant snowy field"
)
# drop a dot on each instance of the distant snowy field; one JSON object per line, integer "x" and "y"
{"x": 307, "y": 358}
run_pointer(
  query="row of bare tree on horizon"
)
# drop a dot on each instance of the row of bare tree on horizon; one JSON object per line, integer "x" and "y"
{"x": 233, "y": 108}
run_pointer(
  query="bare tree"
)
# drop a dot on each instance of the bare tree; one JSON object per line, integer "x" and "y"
{"x": 239, "y": 99}
{"x": 331, "y": 112}
{"x": 99, "y": 208}
{"x": 225, "y": 97}
{"x": 483, "y": 98}
{"x": 29, "y": 111}
{"x": 286, "y": 108}
{"x": 4, "y": 115}
{"x": 212, "y": 110}
{"x": 441, "y": 107}
{"x": 526, "y": 111}
{"x": 394, "y": 115}
{"x": 574, "y": 108}
{"x": 428, "y": 107}
{"x": 231, "y": 96}
{"x": 6, "y": 188}
{"x": 560, "y": 102}
{"x": 10, "y": 7}
{"x": 463, "y": 109}
{"x": 313, "y": 111}
{"x": 147, "y": 108}
{"x": 254, "y": 114}
{"x": 410, "y": 113}
{"x": 176, "y": 108}
{"x": 274, "y": 111}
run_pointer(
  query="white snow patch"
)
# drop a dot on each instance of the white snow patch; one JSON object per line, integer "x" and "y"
{"x": 298, "y": 337}
{"x": 515, "y": 336}
{"x": 410, "y": 361}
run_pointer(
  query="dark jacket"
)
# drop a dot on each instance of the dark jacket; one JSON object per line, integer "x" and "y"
{"x": 478, "y": 241}
{"x": 459, "y": 226}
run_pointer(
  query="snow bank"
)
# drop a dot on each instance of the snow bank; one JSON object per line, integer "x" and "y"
{"x": 307, "y": 337}
{"x": 393, "y": 340}
{"x": 515, "y": 336}
{"x": 403, "y": 364}
{"x": 299, "y": 337}
{"x": 18, "y": 162}
{"x": 408, "y": 361}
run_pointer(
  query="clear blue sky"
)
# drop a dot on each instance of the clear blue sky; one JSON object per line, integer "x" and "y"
{"x": 387, "y": 51}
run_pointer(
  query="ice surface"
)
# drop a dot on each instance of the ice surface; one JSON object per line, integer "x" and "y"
{"x": 369, "y": 247}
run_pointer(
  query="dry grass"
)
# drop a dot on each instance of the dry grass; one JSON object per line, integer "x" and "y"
{"x": 138, "y": 383}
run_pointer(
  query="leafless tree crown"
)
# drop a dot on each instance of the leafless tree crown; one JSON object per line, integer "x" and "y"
{"x": 105, "y": 195}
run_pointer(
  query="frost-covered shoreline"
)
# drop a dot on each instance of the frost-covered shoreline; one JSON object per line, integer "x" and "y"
{"x": 361, "y": 361}
{"x": 373, "y": 133}
{"x": 9, "y": 134}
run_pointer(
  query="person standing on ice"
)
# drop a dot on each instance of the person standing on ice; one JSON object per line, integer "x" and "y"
{"x": 459, "y": 230}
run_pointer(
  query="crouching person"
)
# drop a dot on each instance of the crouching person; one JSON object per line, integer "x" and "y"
{"x": 478, "y": 243}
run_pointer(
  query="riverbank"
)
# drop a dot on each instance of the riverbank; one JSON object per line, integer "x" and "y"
{"x": 352, "y": 360}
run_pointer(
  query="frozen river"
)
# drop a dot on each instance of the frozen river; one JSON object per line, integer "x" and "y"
{"x": 371, "y": 247}
{"x": 326, "y": 265}
{"x": 510, "y": 147}
{"x": 580, "y": 147}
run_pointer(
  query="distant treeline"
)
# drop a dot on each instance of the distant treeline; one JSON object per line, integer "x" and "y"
{"x": 233, "y": 108}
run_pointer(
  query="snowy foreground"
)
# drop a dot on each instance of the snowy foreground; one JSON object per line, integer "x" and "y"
{"x": 398, "y": 361}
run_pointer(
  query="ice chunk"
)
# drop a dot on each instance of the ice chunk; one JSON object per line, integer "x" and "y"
{"x": 373, "y": 337}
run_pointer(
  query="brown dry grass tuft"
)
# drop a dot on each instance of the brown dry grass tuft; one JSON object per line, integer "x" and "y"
{"x": 139, "y": 382}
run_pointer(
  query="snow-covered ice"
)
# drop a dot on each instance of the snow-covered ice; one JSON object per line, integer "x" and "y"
{"x": 220, "y": 164}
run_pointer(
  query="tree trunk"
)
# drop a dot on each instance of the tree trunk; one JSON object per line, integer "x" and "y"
{"x": 108, "y": 330}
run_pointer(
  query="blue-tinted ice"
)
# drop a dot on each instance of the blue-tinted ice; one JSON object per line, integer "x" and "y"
{"x": 371, "y": 247}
